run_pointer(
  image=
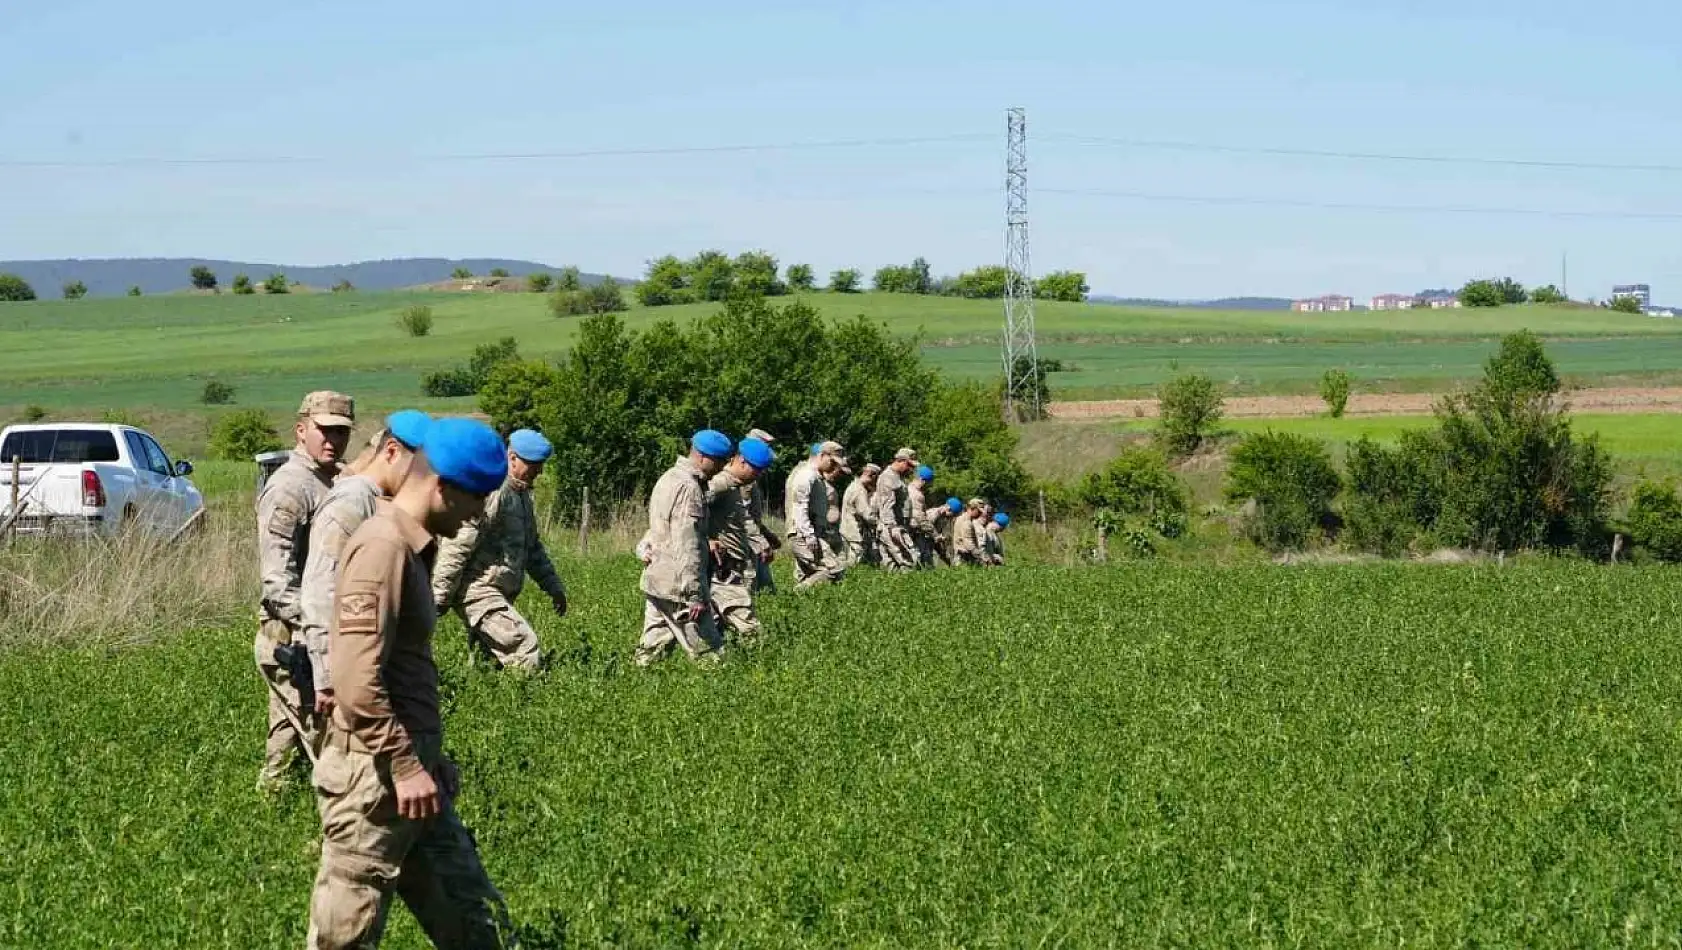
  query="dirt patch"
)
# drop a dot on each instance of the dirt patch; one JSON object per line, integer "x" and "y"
{"x": 1619, "y": 400}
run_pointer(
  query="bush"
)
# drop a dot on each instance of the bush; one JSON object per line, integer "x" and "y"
{"x": 461, "y": 273}
{"x": 34, "y": 413}
{"x": 122, "y": 417}
{"x": 1619, "y": 304}
{"x": 539, "y": 283}
{"x": 1548, "y": 294}
{"x": 1138, "y": 482}
{"x": 203, "y": 278}
{"x": 1190, "y": 406}
{"x": 1655, "y": 520}
{"x": 1334, "y": 389}
{"x": 216, "y": 393}
{"x": 15, "y": 288}
{"x": 1394, "y": 493}
{"x": 344, "y": 287}
{"x": 800, "y": 277}
{"x": 242, "y": 285}
{"x": 510, "y": 391}
{"x": 499, "y": 272}
{"x": 468, "y": 380}
{"x": 1065, "y": 285}
{"x": 448, "y": 383}
{"x": 844, "y": 281}
{"x": 910, "y": 279}
{"x": 75, "y": 290}
{"x": 238, "y": 436}
{"x": 134, "y": 291}
{"x": 1520, "y": 369}
{"x": 416, "y": 320}
{"x": 1291, "y": 482}
{"x": 277, "y": 284}
{"x": 604, "y": 297}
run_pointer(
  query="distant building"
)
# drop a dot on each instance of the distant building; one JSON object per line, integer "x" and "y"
{"x": 1439, "y": 301}
{"x": 1641, "y": 292}
{"x": 1330, "y": 302}
{"x": 1394, "y": 302}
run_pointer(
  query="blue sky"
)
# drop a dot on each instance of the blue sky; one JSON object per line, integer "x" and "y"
{"x": 369, "y": 87}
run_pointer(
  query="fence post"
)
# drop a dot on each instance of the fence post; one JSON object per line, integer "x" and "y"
{"x": 1044, "y": 525}
{"x": 584, "y": 524}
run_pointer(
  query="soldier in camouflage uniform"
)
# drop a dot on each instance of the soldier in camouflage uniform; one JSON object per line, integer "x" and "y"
{"x": 351, "y": 501}
{"x": 482, "y": 570}
{"x": 765, "y": 541}
{"x": 729, "y": 539}
{"x": 858, "y": 517}
{"x": 806, "y": 502}
{"x": 894, "y": 542}
{"x": 966, "y": 542}
{"x": 286, "y": 508}
{"x": 835, "y": 546}
{"x": 677, "y": 573}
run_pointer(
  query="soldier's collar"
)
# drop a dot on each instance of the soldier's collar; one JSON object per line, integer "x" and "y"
{"x": 413, "y": 533}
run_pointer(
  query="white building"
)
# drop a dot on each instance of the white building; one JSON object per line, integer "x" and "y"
{"x": 1393, "y": 302}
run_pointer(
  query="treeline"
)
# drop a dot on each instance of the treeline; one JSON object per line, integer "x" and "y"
{"x": 621, "y": 405}
{"x": 715, "y": 276}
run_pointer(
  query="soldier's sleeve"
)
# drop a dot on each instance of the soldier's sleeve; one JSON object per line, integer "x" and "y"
{"x": 453, "y": 554}
{"x": 281, "y": 515}
{"x": 800, "y": 511}
{"x": 541, "y": 568}
{"x": 884, "y": 506}
{"x": 365, "y": 617}
{"x": 688, "y": 521}
{"x": 327, "y": 542}
{"x": 963, "y": 536}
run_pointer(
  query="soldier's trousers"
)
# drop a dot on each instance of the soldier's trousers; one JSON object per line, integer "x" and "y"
{"x": 860, "y": 551}
{"x": 762, "y": 579}
{"x": 369, "y": 853}
{"x": 732, "y": 597}
{"x": 814, "y": 565}
{"x": 664, "y": 623}
{"x": 494, "y": 626}
{"x": 897, "y": 550}
{"x": 286, "y": 703}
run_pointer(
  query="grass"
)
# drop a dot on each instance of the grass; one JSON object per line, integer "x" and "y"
{"x": 155, "y": 351}
{"x": 1144, "y": 755}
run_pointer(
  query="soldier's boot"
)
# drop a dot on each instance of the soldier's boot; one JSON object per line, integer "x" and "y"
{"x": 509, "y": 639}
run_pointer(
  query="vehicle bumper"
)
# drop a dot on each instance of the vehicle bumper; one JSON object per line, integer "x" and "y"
{"x": 69, "y": 525}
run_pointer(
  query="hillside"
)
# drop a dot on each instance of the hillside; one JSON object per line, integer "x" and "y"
{"x": 114, "y": 277}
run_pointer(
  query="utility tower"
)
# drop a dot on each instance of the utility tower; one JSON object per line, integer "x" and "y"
{"x": 1021, "y": 354}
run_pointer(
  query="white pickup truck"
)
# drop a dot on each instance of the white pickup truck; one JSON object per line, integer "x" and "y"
{"x": 92, "y": 479}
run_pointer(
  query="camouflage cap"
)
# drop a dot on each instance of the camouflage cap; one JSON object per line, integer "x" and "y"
{"x": 905, "y": 455}
{"x": 872, "y": 469}
{"x": 762, "y": 436}
{"x": 327, "y": 408}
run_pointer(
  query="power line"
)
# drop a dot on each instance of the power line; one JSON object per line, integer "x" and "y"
{"x": 1360, "y": 156}
{"x": 1241, "y": 200}
{"x": 159, "y": 161}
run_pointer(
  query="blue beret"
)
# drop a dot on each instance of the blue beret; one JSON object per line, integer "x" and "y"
{"x": 817, "y": 448}
{"x": 408, "y": 427}
{"x": 1002, "y": 520}
{"x": 712, "y": 443}
{"x": 954, "y": 505}
{"x": 466, "y": 453}
{"x": 925, "y": 473}
{"x": 530, "y": 445}
{"x": 756, "y": 452}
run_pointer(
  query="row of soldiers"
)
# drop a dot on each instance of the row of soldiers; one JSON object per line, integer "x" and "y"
{"x": 359, "y": 558}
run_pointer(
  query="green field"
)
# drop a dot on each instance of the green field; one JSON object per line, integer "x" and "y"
{"x": 1145, "y": 755}
{"x": 154, "y": 352}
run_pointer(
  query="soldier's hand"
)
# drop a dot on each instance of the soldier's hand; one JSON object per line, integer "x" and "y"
{"x": 417, "y": 797}
{"x": 716, "y": 550}
{"x": 449, "y": 777}
{"x": 560, "y": 603}
{"x": 324, "y": 702}
{"x": 695, "y": 611}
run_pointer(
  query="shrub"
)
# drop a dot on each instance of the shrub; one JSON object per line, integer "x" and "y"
{"x": 448, "y": 383}
{"x": 122, "y": 417}
{"x": 1190, "y": 405}
{"x": 468, "y": 380}
{"x": 34, "y": 413}
{"x": 1394, "y": 493}
{"x": 1136, "y": 482}
{"x": 344, "y": 287}
{"x": 1070, "y": 286}
{"x": 1619, "y": 304}
{"x": 844, "y": 281}
{"x": 461, "y": 273}
{"x": 277, "y": 284}
{"x": 604, "y": 297}
{"x": 135, "y": 291}
{"x": 216, "y": 393}
{"x": 15, "y": 288}
{"x": 203, "y": 278}
{"x": 1520, "y": 369}
{"x": 499, "y": 272}
{"x": 240, "y": 435}
{"x": 1334, "y": 389}
{"x": 242, "y": 285}
{"x": 1655, "y": 520}
{"x": 416, "y": 320}
{"x": 910, "y": 279}
{"x": 75, "y": 290}
{"x": 1547, "y": 294}
{"x": 539, "y": 283}
{"x": 509, "y": 393}
{"x": 800, "y": 277}
{"x": 1291, "y": 482}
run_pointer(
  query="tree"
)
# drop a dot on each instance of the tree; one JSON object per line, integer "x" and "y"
{"x": 203, "y": 278}
{"x": 238, "y": 436}
{"x": 1065, "y": 285}
{"x": 988, "y": 281}
{"x": 1334, "y": 389}
{"x": 604, "y": 297}
{"x": 666, "y": 282}
{"x": 216, "y": 393}
{"x": 277, "y": 284}
{"x": 571, "y": 279}
{"x": 1626, "y": 304}
{"x": 1547, "y": 294}
{"x": 15, "y": 288}
{"x": 134, "y": 291}
{"x": 344, "y": 287}
{"x": 1511, "y": 290}
{"x": 416, "y": 321}
{"x": 844, "y": 281}
{"x": 1190, "y": 406}
{"x": 800, "y": 277}
{"x": 499, "y": 272}
{"x": 1520, "y": 369}
{"x": 510, "y": 391}
{"x": 1290, "y": 480}
{"x": 756, "y": 274}
{"x": 1481, "y": 293}
{"x": 711, "y": 275}
{"x": 461, "y": 273}
{"x": 900, "y": 280}
{"x": 242, "y": 285}
{"x": 539, "y": 283}
{"x": 75, "y": 290}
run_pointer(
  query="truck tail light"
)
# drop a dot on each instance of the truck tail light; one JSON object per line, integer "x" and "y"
{"x": 93, "y": 493}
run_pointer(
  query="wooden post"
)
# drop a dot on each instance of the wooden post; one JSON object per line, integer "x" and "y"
{"x": 1044, "y": 525}
{"x": 584, "y": 524}
{"x": 1103, "y": 546}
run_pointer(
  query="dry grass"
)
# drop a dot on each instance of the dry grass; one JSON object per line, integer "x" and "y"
{"x": 128, "y": 590}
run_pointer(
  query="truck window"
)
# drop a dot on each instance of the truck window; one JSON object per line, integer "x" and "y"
{"x": 59, "y": 446}
{"x": 156, "y": 460}
{"x": 136, "y": 449}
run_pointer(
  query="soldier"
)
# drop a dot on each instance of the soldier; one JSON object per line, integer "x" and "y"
{"x": 993, "y": 548}
{"x": 922, "y": 532}
{"x": 858, "y": 517}
{"x": 806, "y": 502}
{"x": 380, "y": 472}
{"x": 835, "y": 547}
{"x": 938, "y": 518}
{"x": 482, "y": 570}
{"x": 966, "y": 543}
{"x": 286, "y": 508}
{"x": 676, "y": 578}
{"x": 384, "y": 788}
{"x": 730, "y": 541}
{"x": 895, "y": 546}
{"x": 765, "y": 542}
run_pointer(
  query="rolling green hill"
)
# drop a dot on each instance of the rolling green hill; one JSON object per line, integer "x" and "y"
{"x": 154, "y": 352}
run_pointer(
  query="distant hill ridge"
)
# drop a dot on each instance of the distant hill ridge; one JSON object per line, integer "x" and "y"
{"x": 1225, "y": 303}
{"x": 114, "y": 276}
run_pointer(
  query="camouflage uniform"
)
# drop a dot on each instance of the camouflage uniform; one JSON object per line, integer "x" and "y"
{"x": 992, "y": 546}
{"x": 966, "y": 547}
{"x": 763, "y": 540}
{"x": 895, "y": 545}
{"x": 286, "y": 508}
{"x": 835, "y": 546}
{"x": 806, "y": 503}
{"x": 735, "y": 558}
{"x": 350, "y": 502}
{"x": 482, "y": 570}
{"x": 858, "y": 524}
{"x": 385, "y": 728}
{"x": 677, "y": 575}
